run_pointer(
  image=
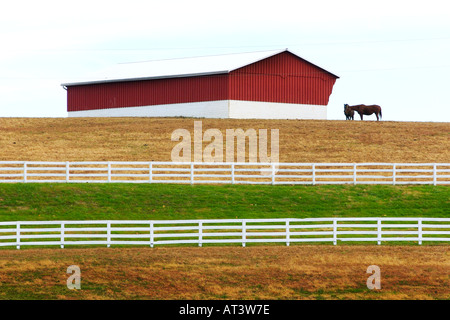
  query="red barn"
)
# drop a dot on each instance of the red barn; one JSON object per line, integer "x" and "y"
{"x": 265, "y": 85}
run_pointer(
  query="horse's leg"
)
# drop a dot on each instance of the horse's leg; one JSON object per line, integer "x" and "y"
{"x": 361, "y": 115}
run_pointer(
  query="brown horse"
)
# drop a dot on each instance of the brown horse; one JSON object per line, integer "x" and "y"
{"x": 363, "y": 109}
{"x": 349, "y": 114}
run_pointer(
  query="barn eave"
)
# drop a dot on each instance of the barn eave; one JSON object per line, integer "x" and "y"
{"x": 71, "y": 84}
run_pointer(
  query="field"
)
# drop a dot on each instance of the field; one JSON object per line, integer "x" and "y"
{"x": 140, "y": 139}
{"x": 162, "y": 202}
{"x": 208, "y": 273}
{"x": 255, "y": 272}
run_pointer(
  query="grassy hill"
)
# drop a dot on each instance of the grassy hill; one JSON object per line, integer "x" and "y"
{"x": 146, "y": 139}
{"x": 258, "y": 272}
{"x": 135, "y": 139}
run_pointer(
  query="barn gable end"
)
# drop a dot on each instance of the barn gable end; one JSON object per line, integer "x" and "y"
{"x": 282, "y": 78}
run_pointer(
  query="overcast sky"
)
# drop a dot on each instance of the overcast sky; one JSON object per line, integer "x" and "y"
{"x": 387, "y": 52}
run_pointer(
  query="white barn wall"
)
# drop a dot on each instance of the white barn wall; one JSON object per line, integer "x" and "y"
{"x": 208, "y": 109}
{"x": 215, "y": 109}
{"x": 271, "y": 110}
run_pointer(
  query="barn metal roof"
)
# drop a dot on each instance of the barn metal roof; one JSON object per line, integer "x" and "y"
{"x": 185, "y": 67}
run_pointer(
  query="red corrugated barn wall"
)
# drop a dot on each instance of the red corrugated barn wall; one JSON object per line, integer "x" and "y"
{"x": 283, "y": 78}
{"x": 147, "y": 92}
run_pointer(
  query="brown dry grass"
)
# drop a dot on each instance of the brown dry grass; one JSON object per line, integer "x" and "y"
{"x": 146, "y": 139}
{"x": 259, "y": 272}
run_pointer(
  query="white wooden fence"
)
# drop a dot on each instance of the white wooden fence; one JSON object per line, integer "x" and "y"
{"x": 222, "y": 231}
{"x": 229, "y": 173}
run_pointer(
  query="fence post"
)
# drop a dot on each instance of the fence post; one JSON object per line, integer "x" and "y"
{"x": 62, "y": 235}
{"x": 434, "y": 174}
{"x": 67, "y": 171}
{"x": 419, "y": 230}
{"x": 200, "y": 233}
{"x": 108, "y": 234}
{"x": 150, "y": 173}
{"x": 18, "y": 235}
{"x": 393, "y": 173}
{"x": 192, "y": 173}
{"x": 232, "y": 173}
{"x": 151, "y": 234}
{"x": 334, "y": 231}
{"x": 273, "y": 173}
{"x": 243, "y": 233}
{"x": 354, "y": 174}
{"x": 379, "y": 231}
{"x": 109, "y": 171}
{"x": 288, "y": 233}
{"x": 24, "y": 172}
{"x": 314, "y": 174}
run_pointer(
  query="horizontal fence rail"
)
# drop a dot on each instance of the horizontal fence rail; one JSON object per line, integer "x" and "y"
{"x": 225, "y": 173}
{"x": 222, "y": 231}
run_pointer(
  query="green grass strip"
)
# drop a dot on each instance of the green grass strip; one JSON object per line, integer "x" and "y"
{"x": 170, "y": 201}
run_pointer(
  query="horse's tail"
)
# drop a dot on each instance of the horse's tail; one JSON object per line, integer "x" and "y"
{"x": 380, "y": 113}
